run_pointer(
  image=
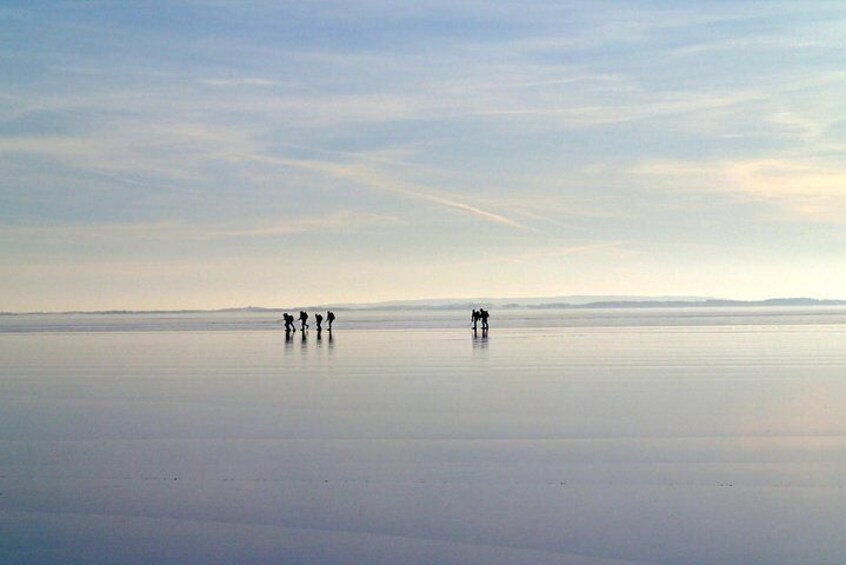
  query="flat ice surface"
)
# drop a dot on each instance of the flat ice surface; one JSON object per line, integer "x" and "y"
{"x": 614, "y": 436}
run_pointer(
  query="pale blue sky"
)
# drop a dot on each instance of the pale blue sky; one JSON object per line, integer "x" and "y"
{"x": 204, "y": 154}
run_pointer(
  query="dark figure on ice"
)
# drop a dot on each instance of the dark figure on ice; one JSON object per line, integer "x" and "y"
{"x": 303, "y": 320}
{"x": 289, "y": 323}
{"x": 475, "y": 318}
{"x": 318, "y": 319}
{"x": 330, "y": 317}
{"x": 484, "y": 315}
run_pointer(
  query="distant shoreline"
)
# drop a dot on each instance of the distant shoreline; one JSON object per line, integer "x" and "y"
{"x": 503, "y": 304}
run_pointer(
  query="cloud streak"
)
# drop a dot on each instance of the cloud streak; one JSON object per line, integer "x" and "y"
{"x": 363, "y": 174}
{"x": 242, "y": 82}
{"x": 344, "y": 221}
{"x": 811, "y": 191}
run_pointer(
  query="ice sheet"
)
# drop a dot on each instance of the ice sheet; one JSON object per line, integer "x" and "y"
{"x": 683, "y": 443}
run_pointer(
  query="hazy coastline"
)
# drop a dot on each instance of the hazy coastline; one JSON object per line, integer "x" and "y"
{"x": 578, "y": 302}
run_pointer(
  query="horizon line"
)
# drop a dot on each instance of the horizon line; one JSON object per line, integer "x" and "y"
{"x": 608, "y": 301}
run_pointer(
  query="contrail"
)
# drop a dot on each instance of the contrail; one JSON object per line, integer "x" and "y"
{"x": 368, "y": 178}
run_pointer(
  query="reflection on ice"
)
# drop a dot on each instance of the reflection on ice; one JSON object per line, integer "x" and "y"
{"x": 480, "y": 341}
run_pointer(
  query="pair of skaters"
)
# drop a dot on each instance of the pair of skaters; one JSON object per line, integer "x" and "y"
{"x": 289, "y": 321}
{"x": 480, "y": 315}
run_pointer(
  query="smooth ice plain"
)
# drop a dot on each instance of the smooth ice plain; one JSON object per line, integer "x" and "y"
{"x": 608, "y": 436}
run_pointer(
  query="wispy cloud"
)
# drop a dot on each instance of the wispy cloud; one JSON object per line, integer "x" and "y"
{"x": 614, "y": 248}
{"x": 242, "y": 82}
{"x": 345, "y": 221}
{"x": 812, "y": 191}
{"x": 551, "y": 257}
{"x": 363, "y": 174}
{"x": 667, "y": 104}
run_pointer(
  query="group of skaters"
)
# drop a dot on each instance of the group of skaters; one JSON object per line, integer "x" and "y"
{"x": 318, "y": 320}
{"x": 480, "y": 315}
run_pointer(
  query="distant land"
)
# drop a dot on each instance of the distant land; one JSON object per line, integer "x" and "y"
{"x": 571, "y": 302}
{"x": 576, "y": 302}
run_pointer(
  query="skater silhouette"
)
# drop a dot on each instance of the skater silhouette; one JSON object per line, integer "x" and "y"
{"x": 303, "y": 321}
{"x": 475, "y": 318}
{"x": 330, "y": 317}
{"x": 484, "y": 315}
{"x": 318, "y": 320}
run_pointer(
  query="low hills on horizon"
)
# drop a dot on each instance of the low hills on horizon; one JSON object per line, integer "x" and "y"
{"x": 561, "y": 302}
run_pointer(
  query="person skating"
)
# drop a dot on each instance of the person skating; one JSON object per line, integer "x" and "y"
{"x": 484, "y": 314}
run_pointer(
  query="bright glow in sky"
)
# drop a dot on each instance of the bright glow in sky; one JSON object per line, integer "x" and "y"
{"x": 202, "y": 154}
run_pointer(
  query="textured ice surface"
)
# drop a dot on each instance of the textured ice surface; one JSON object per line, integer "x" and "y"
{"x": 685, "y": 441}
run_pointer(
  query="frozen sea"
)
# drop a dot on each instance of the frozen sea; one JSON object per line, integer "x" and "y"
{"x": 699, "y": 435}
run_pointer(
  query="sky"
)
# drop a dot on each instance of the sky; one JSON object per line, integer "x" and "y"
{"x": 207, "y": 153}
